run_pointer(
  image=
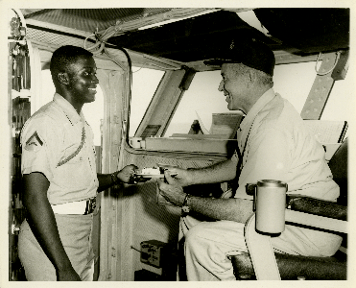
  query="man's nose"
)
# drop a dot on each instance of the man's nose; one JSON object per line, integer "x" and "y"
{"x": 95, "y": 79}
{"x": 221, "y": 86}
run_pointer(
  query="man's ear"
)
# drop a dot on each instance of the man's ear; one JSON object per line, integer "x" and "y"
{"x": 252, "y": 76}
{"x": 63, "y": 78}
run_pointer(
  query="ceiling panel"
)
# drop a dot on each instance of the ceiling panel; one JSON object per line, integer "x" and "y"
{"x": 89, "y": 20}
{"x": 302, "y": 31}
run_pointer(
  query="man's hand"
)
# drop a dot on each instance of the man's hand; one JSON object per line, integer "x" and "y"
{"x": 177, "y": 176}
{"x": 67, "y": 275}
{"x": 171, "y": 193}
{"x": 127, "y": 173}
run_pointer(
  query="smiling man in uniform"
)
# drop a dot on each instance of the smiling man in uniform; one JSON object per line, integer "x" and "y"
{"x": 59, "y": 175}
{"x": 273, "y": 143}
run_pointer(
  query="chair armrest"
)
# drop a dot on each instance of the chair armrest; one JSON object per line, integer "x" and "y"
{"x": 260, "y": 247}
{"x": 317, "y": 207}
{"x": 316, "y": 221}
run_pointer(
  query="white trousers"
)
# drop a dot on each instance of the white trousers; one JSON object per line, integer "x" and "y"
{"x": 208, "y": 243}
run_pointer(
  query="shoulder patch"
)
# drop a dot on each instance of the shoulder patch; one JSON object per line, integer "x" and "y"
{"x": 33, "y": 143}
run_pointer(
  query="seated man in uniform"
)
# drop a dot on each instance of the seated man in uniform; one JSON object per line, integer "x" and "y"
{"x": 59, "y": 175}
{"x": 273, "y": 143}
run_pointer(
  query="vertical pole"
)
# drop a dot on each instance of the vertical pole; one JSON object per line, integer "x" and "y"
{"x": 320, "y": 91}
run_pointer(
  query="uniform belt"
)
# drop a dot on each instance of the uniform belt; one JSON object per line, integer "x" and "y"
{"x": 77, "y": 208}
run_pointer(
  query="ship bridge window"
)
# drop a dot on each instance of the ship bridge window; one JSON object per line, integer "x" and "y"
{"x": 199, "y": 102}
{"x": 292, "y": 81}
{"x": 145, "y": 82}
{"x": 203, "y": 101}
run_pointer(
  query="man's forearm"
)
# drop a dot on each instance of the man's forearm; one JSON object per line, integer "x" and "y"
{"x": 105, "y": 181}
{"x": 231, "y": 209}
{"x": 216, "y": 173}
{"x": 42, "y": 220}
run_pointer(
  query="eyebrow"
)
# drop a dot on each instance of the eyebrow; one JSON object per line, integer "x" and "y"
{"x": 88, "y": 68}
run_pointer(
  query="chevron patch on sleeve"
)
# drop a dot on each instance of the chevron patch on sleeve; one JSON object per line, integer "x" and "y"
{"x": 34, "y": 143}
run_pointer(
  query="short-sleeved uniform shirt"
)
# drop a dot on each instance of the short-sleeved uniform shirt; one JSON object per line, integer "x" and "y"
{"x": 278, "y": 145}
{"x": 58, "y": 142}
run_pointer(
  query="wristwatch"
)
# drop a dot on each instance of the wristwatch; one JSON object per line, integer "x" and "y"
{"x": 185, "y": 205}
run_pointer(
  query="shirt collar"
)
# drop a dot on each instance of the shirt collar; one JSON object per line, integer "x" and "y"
{"x": 68, "y": 109}
{"x": 260, "y": 103}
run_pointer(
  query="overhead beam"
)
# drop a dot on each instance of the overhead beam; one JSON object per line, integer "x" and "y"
{"x": 58, "y": 28}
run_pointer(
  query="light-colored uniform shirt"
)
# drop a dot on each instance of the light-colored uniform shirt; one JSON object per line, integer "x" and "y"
{"x": 279, "y": 146}
{"x": 58, "y": 142}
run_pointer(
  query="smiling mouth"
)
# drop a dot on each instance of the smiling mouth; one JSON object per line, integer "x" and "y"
{"x": 227, "y": 98}
{"x": 93, "y": 90}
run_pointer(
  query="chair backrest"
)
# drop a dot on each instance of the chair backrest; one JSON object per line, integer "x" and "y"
{"x": 339, "y": 168}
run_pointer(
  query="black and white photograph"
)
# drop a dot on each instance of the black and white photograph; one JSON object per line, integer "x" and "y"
{"x": 163, "y": 142}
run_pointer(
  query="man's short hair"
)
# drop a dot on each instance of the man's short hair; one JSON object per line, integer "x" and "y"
{"x": 262, "y": 78}
{"x": 64, "y": 57}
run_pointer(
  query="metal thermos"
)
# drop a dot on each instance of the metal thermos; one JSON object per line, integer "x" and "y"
{"x": 270, "y": 204}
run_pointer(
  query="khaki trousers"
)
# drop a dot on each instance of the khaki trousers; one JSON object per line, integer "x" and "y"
{"x": 208, "y": 243}
{"x": 76, "y": 234}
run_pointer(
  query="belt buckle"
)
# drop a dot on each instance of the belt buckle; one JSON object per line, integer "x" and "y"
{"x": 90, "y": 206}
